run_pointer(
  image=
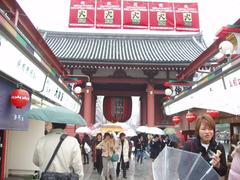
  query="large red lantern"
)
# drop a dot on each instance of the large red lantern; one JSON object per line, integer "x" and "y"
{"x": 117, "y": 108}
{"x": 176, "y": 119}
{"x": 20, "y": 98}
{"x": 190, "y": 116}
{"x": 213, "y": 113}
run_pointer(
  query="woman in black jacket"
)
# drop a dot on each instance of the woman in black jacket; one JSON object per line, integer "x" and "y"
{"x": 206, "y": 145}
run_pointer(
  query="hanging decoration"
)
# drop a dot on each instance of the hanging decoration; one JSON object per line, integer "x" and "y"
{"x": 176, "y": 119}
{"x": 117, "y": 108}
{"x": 20, "y": 98}
{"x": 213, "y": 113}
{"x": 190, "y": 116}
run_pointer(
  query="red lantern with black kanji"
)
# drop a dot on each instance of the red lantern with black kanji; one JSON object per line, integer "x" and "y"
{"x": 190, "y": 116}
{"x": 20, "y": 98}
{"x": 176, "y": 119}
{"x": 117, "y": 108}
{"x": 213, "y": 113}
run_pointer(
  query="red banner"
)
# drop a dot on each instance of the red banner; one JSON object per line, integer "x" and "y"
{"x": 135, "y": 15}
{"x": 82, "y": 13}
{"x": 108, "y": 14}
{"x": 186, "y": 17}
{"x": 161, "y": 16}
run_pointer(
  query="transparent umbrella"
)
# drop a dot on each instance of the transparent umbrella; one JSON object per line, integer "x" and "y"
{"x": 176, "y": 164}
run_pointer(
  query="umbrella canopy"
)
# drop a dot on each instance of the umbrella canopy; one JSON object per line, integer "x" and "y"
{"x": 177, "y": 164}
{"x": 155, "y": 130}
{"x": 56, "y": 114}
{"x": 130, "y": 132}
{"x": 169, "y": 131}
{"x": 111, "y": 128}
{"x": 142, "y": 129}
{"x": 83, "y": 130}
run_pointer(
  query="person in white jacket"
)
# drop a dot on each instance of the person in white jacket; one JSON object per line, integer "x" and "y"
{"x": 123, "y": 152}
{"x": 68, "y": 158}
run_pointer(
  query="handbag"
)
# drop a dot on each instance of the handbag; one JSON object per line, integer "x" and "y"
{"x": 56, "y": 175}
{"x": 87, "y": 148}
{"x": 114, "y": 157}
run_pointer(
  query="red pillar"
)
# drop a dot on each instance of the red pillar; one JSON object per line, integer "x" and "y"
{"x": 143, "y": 110}
{"x": 150, "y": 106}
{"x": 94, "y": 100}
{"x": 87, "y": 111}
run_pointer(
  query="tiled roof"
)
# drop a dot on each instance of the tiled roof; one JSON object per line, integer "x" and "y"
{"x": 71, "y": 47}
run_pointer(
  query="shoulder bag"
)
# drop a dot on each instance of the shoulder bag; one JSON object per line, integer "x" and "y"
{"x": 55, "y": 175}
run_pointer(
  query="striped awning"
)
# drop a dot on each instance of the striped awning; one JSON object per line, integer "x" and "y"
{"x": 72, "y": 47}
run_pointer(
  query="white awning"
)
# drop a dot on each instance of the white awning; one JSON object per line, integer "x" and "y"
{"x": 220, "y": 91}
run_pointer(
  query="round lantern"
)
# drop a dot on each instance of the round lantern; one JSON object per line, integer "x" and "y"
{"x": 20, "y": 98}
{"x": 117, "y": 108}
{"x": 176, "y": 119}
{"x": 213, "y": 113}
{"x": 190, "y": 116}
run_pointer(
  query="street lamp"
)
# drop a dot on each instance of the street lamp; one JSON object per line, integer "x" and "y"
{"x": 226, "y": 48}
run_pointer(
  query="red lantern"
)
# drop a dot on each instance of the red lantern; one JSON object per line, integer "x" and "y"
{"x": 176, "y": 119}
{"x": 213, "y": 113}
{"x": 19, "y": 98}
{"x": 190, "y": 116}
{"x": 117, "y": 108}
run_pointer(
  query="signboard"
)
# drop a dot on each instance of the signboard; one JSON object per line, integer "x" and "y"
{"x": 15, "y": 64}
{"x": 82, "y": 13}
{"x": 108, "y": 14}
{"x": 10, "y": 116}
{"x": 135, "y": 15}
{"x": 161, "y": 16}
{"x": 186, "y": 15}
{"x": 58, "y": 95}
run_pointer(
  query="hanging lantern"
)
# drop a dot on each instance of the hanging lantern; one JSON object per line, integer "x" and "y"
{"x": 190, "y": 116}
{"x": 117, "y": 108}
{"x": 176, "y": 119}
{"x": 20, "y": 98}
{"x": 213, "y": 113}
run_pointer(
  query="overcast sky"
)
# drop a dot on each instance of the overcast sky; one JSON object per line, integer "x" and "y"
{"x": 54, "y": 15}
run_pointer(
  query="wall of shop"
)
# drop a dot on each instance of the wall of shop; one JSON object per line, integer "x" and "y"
{"x": 21, "y": 145}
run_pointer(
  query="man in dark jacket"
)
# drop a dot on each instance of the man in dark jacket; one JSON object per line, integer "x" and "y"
{"x": 156, "y": 146}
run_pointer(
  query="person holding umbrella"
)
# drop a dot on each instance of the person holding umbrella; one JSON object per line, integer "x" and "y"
{"x": 205, "y": 144}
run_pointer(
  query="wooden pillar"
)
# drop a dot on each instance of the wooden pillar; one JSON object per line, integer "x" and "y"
{"x": 94, "y": 100}
{"x": 143, "y": 110}
{"x": 87, "y": 111}
{"x": 150, "y": 106}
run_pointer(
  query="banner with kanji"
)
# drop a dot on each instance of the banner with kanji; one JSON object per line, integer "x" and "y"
{"x": 161, "y": 16}
{"x": 82, "y": 13}
{"x": 135, "y": 15}
{"x": 108, "y": 14}
{"x": 187, "y": 18}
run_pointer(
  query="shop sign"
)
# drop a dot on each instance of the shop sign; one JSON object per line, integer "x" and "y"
{"x": 11, "y": 117}
{"x": 58, "y": 95}
{"x": 16, "y": 65}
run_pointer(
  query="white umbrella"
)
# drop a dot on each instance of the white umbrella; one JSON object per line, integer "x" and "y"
{"x": 96, "y": 131}
{"x": 155, "y": 130}
{"x": 83, "y": 130}
{"x": 130, "y": 132}
{"x": 142, "y": 129}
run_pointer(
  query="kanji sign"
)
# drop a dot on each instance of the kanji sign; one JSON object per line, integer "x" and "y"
{"x": 161, "y": 16}
{"x": 108, "y": 14}
{"x": 186, "y": 17}
{"x": 135, "y": 15}
{"x": 82, "y": 13}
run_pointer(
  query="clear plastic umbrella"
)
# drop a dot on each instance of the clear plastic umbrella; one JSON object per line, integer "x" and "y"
{"x": 83, "y": 130}
{"x": 176, "y": 164}
{"x": 155, "y": 130}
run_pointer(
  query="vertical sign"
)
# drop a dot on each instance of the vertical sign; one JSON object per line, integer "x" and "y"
{"x": 82, "y": 13}
{"x": 108, "y": 14}
{"x": 135, "y": 15}
{"x": 161, "y": 16}
{"x": 186, "y": 17}
{"x": 10, "y": 116}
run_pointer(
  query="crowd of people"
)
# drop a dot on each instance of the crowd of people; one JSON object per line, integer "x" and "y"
{"x": 111, "y": 154}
